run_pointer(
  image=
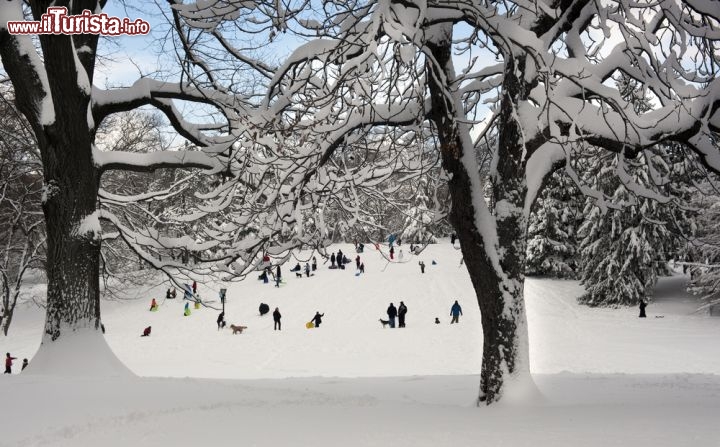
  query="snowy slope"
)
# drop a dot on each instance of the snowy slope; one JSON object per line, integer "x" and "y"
{"x": 352, "y": 343}
{"x": 417, "y": 384}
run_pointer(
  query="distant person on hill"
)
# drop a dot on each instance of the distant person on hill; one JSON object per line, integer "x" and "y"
{"x": 221, "y": 320}
{"x": 307, "y": 269}
{"x": 392, "y": 313}
{"x": 357, "y": 262}
{"x": 8, "y": 363}
{"x": 455, "y": 312}
{"x": 317, "y": 319}
{"x": 153, "y": 305}
{"x": 25, "y": 364}
{"x": 194, "y": 287}
{"x": 297, "y": 268}
{"x": 276, "y": 319}
{"x": 187, "y": 309}
{"x": 168, "y": 295}
{"x": 314, "y": 264}
{"x": 392, "y": 253}
{"x": 360, "y": 247}
{"x": 422, "y": 266}
{"x": 339, "y": 258}
{"x": 362, "y": 267}
{"x": 402, "y": 310}
{"x": 332, "y": 260}
{"x": 643, "y": 305}
{"x": 437, "y": 320}
{"x": 146, "y": 332}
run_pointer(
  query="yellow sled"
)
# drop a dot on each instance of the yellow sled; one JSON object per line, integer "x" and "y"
{"x": 309, "y": 325}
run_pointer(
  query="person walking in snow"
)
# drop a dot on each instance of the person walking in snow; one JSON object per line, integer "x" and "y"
{"x": 8, "y": 363}
{"x": 317, "y": 319}
{"x": 187, "y": 309}
{"x": 392, "y": 313}
{"x": 307, "y": 269}
{"x": 455, "y": 312}
{"x": 278, "y": 276}
{"x": 194, "y": 287}
{"x": 276, "y": 319}
{"x": 314, "y": 264}
{"x": 362, "y": 267}
{"x": 402, "y": 310}
{"x": 392, "y": 253}
{"x": 221, "y": 320}
{"x": 153, "y": 305}
{"x": 332, "y": 260}
{"x": 643, "y": 305}
{"x": 422, "y": 266}
{"x": 25, "y": 364}
{"x": 357, "y": 262}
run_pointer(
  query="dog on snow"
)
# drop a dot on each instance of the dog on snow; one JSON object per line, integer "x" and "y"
{"x": 237, "y": 329}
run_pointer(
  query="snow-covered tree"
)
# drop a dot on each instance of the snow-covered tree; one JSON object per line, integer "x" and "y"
{"x": 625, "y": 246}
{"x": 22, "y": 233}
{"x": 384, "y": 65}
{"x": 552, "y": 244}
{"x": 703, "y": 259}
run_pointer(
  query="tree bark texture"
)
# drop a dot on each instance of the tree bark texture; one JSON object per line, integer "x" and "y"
{"x": 499, "y": 291}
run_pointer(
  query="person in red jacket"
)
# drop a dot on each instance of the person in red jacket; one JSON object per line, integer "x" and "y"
{"x": 8, "y": 363}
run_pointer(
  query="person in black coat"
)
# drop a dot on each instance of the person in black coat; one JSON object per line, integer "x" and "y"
{"x": 314, "y": 264}
{"x": 332, "y": 260}
{"x": 643, "y": 305}
{"x": 402, "y": 310}
{"x": 392, "y": 313}
{"x": 221, "y": 320}
{"x": 422, "y": 266}
{"x": 276, "y": 319}
{"x": 317, "y": 319}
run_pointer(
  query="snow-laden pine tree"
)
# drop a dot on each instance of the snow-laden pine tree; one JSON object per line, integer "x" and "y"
{"x": 627, "y": 242}
{"x": 552, "y": 245}
{"x": 704, "y": 257}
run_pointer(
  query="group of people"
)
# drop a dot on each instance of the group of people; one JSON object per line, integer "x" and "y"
{"x": 297, "y": 269}
{"x": 398, "y": 312}
{"x": 338, "y": 261}
{"x": 9, "y": 362}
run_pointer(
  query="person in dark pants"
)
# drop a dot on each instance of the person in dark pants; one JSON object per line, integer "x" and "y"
{"x": 455, "y": 312}
{"x": 357, "y": 262}
{"x": 317, "y": 319}
{"x": 452, "y": 238}
{"x": 221, "y": 320}
{"x": 25, "y": 364}
{"x": 392, "y": 313}
{"x": 402, "y": 310}
{"x": 643, "y": 305}
{"x": 362, "y": 267}
{"x": 392, "y": 253}
{"x": 194, "y": 287}
{"x": 332, "y": 260}
{"x": 314, "y": 264}
{"x": 278, "y": 276}
{"x": 422, "y": 266}
{"x": 276, "y": 319}
{"x": 307, "y": 269}
{"x": 8, "y": 363}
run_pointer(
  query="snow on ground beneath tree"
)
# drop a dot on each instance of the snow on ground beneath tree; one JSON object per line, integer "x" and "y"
{"x": 606, "y": 376}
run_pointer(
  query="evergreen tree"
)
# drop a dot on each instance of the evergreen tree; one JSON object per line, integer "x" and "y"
{"x": 626, "y": 248}
{"x": 552, "y": 229}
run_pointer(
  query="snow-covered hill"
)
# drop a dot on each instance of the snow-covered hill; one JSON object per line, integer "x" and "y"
{"x": 614, "y": 379}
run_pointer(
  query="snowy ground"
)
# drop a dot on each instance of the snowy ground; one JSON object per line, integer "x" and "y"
{"x": 607, "y": 377}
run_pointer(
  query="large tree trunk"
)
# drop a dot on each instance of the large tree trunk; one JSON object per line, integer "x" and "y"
{"x": 53, "y": 92}
{"x": 493, "y": 244}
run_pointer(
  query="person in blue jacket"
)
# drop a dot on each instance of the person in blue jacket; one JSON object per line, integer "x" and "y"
{"x": 455, "y": 312}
